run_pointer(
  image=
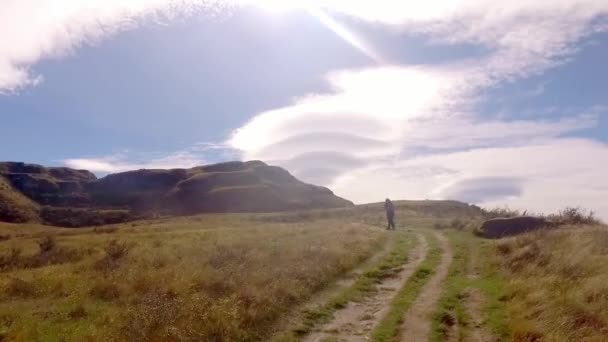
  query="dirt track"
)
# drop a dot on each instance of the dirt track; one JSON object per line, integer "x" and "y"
{"x": 417, "y": 321}
{"x": 356, "y": 320}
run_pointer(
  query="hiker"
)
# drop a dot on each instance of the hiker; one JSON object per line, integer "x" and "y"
{"x": 390, "y": 214}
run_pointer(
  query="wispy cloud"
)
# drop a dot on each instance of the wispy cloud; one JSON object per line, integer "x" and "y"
{"x": 125, "y": 162}
{"x": 31, "y": 30}
{"x": 199, "y": 154}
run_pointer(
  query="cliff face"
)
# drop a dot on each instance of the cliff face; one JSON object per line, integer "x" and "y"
{"x": 69, "y": 197}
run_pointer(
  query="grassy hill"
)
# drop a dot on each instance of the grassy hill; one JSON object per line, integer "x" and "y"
{"x": 73, "y": 198}
{"x": 14, "y": 206}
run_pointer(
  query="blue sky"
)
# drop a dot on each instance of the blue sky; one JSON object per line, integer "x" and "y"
{"x": 433, "y": 100}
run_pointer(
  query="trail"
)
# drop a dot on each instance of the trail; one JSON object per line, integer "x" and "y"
{"x": 417, "y": 321}
{"x": 356, "y": 320}
{"x": 325, "y": 294}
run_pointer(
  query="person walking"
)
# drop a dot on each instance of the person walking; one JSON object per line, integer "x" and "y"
{"x": 390, "y": 214}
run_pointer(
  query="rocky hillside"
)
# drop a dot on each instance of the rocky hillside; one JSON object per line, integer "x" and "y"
{"x": 68, "y": 197}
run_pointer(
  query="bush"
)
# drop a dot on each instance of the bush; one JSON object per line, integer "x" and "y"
{"x": 114, "y": 252}
{"x": 574, "y": 216}
{"x": 50, "y": 253}
{"x": 457, "y": 224}
{"x": 46, "y": 244}
{"x": 501, "y": 212}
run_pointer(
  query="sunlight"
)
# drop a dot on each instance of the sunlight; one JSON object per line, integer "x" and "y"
{"x": 345, "y": 34}
{"x": 317, "y": 9}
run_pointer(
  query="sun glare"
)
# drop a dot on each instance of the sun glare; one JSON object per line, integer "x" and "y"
{"x": 318, "y": 10}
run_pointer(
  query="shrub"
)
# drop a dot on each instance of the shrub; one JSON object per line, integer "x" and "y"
{"x": 501, "y": 212}
{"x": 50, "y": 253}
{"x": 575, "y": 216}
{"x": 457, "y": 224}
{"x": 114, "y": 252}
{"x": 46, "y": 244}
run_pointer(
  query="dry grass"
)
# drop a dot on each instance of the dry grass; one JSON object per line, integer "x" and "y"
{"x": 211, "y": 277}
{"x": 558, "y": 288}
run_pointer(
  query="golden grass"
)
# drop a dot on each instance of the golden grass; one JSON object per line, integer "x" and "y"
{"x": 558, "y": 284}
{"x": 211, "y": 277}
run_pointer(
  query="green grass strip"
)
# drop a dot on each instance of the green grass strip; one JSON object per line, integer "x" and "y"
{"x": 491, "y": 282}
{"x": 363, "y": 286}
{"x": 450, "y": 309}
{"x": 388, "y": 328}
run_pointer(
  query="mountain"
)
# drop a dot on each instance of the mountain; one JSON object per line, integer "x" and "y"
{"x": 69, "y": 197}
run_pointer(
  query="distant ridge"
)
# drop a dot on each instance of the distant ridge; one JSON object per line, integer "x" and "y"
{"x": 68, "y": 197}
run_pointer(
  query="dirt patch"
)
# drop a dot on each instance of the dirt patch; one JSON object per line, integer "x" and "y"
{"x": 356, "y": 321}
{"x": 417, "y": 321}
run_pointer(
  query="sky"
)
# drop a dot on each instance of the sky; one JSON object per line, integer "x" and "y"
{"x": 492, "y": 103}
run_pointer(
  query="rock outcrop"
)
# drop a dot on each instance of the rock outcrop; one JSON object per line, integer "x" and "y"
{"x": 503, "y": 227}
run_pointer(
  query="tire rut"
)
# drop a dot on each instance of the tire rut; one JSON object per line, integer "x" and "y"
{"x": 417, "y": 321}
{"x": 356, "y": 321}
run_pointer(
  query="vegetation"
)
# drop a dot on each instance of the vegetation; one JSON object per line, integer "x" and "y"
{"x": 252, "y": 277}
{"x": 451, "y": 308}
{"x": 223, "y": 276}
{"x": 14, "y": 206}
{"x": 558, "y": 284}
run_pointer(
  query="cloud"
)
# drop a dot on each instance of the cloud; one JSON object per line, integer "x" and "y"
{"x": 484, "y": 189}
{"x": 121, "y": 162}
{"x": 547, "y": 176}
{"x": 415, "y": 129}
{"x": 31, "y": 30}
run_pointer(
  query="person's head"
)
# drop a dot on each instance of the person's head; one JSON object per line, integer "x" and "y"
{"x": 387, "y": 201}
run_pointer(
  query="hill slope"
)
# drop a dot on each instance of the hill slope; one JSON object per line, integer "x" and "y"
{"x": 71, "y": 197}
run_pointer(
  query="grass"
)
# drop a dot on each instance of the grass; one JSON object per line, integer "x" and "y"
{"x": 558, "y": 284}
{"x": 492, "y": 284}
{"x": 450, "y": 309}
{"x": 14, "y": 206}
{"x": 388, "y": 328}
{"x": 451, "y": 317}
{"x": 224, "y": 277}
{"x": 363, "y": 286}
{"x": 238, "y": 277}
